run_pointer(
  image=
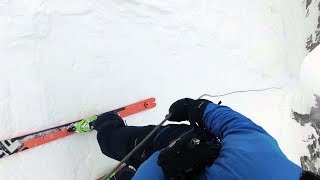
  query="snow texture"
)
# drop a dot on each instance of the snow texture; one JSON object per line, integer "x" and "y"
{"x": 64, "y": 60}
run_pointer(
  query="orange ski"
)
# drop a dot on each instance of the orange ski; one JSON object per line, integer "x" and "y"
{"x": 21, "y": 143}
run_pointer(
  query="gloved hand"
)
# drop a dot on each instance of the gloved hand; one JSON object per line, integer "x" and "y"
{"x": 186, "y": 157}
{"x": 188, "y": 109}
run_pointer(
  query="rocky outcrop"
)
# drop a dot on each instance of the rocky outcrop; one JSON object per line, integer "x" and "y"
{"x": 314, "y": 39}
{"x": 309, "y": 162}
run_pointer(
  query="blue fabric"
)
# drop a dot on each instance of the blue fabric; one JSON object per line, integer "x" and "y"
{"x": 150, "y": 169}
{"x": 248, "y": 151}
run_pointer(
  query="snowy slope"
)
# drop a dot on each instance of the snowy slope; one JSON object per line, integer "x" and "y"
{"x": 63, "y": 60}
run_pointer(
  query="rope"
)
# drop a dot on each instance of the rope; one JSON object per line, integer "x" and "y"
{"x": 241, "y": 91}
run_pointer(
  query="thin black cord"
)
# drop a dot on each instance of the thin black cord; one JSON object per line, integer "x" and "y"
{"x": 241, "y": 91}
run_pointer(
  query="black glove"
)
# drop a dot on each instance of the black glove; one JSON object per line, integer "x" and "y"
{"x": 188, "y": 109}
{"x": 186, "y": 157}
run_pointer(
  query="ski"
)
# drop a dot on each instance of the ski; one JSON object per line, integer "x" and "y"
{"x": 28, "y": 141}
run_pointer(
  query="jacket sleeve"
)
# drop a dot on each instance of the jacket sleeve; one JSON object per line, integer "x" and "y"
{"x": 222, "y": 121}
{"x": 248, "y": 151}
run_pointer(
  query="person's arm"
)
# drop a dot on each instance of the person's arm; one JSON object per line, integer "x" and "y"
{"x": 238, "y": 132}
{"x": 248, "y": 151}
{"x": 222, "y": 121}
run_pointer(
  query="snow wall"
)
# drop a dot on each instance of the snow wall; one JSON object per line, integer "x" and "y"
{"x": 65, "y": 60}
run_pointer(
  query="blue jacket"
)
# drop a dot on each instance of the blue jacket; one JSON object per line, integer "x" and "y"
{"x": 248, "y": 151}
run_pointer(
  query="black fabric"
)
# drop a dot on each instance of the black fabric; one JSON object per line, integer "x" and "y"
{"x": 107, "y": 120}
{"x": 186, "y": 157}
{"x": 307, "y": 175}
{"x": 116, "y": 140}
{"x": 188, "y": 109}
{"x": 168, "y": 134}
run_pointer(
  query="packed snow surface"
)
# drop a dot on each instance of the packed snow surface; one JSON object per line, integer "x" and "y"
{"x": 65, "y": 60}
